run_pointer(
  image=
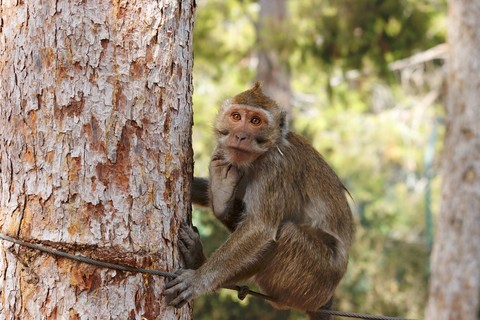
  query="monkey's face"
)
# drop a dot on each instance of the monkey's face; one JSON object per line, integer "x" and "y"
{"x": 245, "y": 132}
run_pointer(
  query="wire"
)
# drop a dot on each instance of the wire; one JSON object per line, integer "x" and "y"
{"x": 94, "y": 262}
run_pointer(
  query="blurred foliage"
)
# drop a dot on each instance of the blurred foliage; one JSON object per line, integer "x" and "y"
{"x": 364, "y": 33}
{"x": 374, "y": 126}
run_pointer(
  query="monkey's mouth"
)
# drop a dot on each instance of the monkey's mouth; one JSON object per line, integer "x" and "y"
{"x": 240, "y": 150}
{"x": 241, "y": 156}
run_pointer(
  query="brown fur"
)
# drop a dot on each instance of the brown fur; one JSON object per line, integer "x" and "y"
{"x": 254, "y": 97}
{"x": 290, "y": 220}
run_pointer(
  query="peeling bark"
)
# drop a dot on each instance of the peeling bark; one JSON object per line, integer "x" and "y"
{"x": 455, "y": 263}
{"x": 95, "y": 153}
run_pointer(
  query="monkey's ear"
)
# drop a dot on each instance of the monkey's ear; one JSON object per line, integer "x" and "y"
{"x": 226, "y": 104}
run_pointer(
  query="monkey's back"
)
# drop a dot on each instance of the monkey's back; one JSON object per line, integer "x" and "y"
{"x": 307, "y": 200}
{"x": 326, "y": 193}
{"x": 302, "y": 187}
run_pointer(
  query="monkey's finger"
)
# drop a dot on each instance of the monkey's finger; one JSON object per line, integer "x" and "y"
{"x": 174, "y": 290}
{"x": 185, "y": 252}
{"x": 183, "y": 225}
{"x": 179, "y": 272}
{"x": 233, "y": 174}
{"x": 182, "y": 247}
{"x": 217, "y": 156}
{"x": 188, "y": 231}
{"x": 192, "y": 232}
{"x": 169, "y": 297}
{"x": 176, "y": 294}
{"x": 219, "y": 163}
{"x": 185, "y": 233}
{"x": 181, "y": 299}
{"x": 187, "y": 237}
{"x": 170, "y": 285}
{"x": 179, "y": 279}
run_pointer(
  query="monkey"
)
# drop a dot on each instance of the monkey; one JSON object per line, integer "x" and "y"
{"x": 290, "y": 222}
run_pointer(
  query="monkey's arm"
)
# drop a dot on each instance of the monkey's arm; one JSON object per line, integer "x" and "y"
{"x": 200, "y": 192}
{"x": 238, "y": 258}
{"x": 219, "y": 192}
{"x": 223, "y": 198}
{"x": 226, "y": 192}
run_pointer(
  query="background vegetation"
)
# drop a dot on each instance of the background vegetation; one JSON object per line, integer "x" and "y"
{"x": 370, "y": 110}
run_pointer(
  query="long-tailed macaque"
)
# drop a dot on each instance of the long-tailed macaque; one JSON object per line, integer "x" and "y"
{"x": 290, "y": 222}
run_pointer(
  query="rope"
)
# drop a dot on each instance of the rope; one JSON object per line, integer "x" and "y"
{"x": 243, "y": 291}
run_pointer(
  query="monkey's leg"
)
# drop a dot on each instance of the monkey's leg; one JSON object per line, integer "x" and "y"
{"x": 239, "y": 257}
{"x": 303, "y": 273}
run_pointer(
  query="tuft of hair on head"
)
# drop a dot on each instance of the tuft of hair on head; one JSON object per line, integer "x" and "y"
{"x": 256, "y": 98}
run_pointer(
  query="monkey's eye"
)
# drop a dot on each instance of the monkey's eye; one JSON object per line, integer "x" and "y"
{"x": 256, "y": 121}
{"x": 236, "y": 116}
{"x": 223, "y": 132}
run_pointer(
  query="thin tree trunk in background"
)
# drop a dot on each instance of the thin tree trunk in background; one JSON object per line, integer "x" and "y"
{"x": 95, "y": 153}
{"x": 455, "y": 263}
{"x": 272, "y": 70}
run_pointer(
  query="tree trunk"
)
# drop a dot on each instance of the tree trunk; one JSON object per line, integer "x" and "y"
{"x": 272, "y": 68}
{"x": 455, "y": 276}
{"x": 95, "y": 153}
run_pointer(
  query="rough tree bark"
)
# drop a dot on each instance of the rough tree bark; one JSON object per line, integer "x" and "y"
{"x": 455, "y": 263}
{"x": 272, "y": 70}
{"x": 95, "y": 153}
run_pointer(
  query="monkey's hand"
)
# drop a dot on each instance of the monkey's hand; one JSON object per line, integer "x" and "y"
{"x": 183, "y": 288}
{"x": 224, "y": 179}
{"x": 190, "y": 246}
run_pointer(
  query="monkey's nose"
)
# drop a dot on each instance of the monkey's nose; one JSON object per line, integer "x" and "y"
{"x": 241, "y": 136}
